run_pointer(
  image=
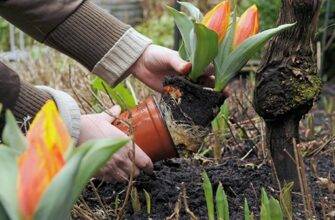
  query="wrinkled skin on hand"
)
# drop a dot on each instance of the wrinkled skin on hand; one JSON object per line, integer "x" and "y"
{"x": 120, "y": 166}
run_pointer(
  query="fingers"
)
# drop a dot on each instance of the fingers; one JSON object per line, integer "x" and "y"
{"x": 121, "y": 167}
{"x": 210, "y": 70}
{"x": 179, "y": 65}
{"x": 111, "y": 114}
{"x": 142, "y": 161}
{"x": 207, "y": 81}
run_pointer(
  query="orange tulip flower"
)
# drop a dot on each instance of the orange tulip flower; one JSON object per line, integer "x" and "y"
{"x": 247, "y": 25}
{"x": 218, "y": 19}
{"x": 48, "y": 141}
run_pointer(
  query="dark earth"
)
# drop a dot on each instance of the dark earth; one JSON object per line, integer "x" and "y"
{"x": 191, "y": 103}
{"x": 240, "y": 180}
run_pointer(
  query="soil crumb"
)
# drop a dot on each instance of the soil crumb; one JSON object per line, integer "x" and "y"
{"x": 240, "y": 180}
{"x": 191, "y": 103}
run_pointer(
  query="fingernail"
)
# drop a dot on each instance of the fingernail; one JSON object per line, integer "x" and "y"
{"x": 186, "y": 68}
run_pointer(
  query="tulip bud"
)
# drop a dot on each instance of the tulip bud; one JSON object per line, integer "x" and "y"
{"x": 247, "y": 25}
{"x": 218, "y": 19}
{"x": 48, "y": 141}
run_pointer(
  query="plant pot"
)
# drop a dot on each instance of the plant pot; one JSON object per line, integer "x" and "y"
{"x": 149, "y": 130}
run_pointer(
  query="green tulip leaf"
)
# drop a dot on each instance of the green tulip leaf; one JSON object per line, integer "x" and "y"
{"x": 3, "y": 214}
{"x": 204, "y": 49}
{"x": 121, "y": 94}
{"x": 182, "y": 52}
{"x": 185, "y": 26}
{"x": 238, "y": 58}
{"x": 12, "y": 135}
{"x": 99, "y": 153}
{"x": 193, "y": 11}
{"x": 8, "y": 179}
{"x": 225, "y": 46}
{"x": 56, "y": 202}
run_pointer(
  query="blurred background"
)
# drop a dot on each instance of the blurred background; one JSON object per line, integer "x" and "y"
{"x": 41, "y": 65}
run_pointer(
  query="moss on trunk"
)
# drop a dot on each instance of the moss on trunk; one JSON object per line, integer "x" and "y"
{"x": 288, "y": 83}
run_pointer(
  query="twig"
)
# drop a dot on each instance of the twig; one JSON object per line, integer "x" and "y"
{"x": 307, "y": 200}
{"x": 319, "y": 149}
{"x": 83, "y": 214}
{"x": 247, "y": 115}
{"x": 95, "y": 191}
{"x": 130, "y": 183}
{"x": 187, "y": 209}
{"x": 176, "y": 211}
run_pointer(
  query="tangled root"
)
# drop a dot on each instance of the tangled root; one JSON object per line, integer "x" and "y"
{"x": 183, "y": 133}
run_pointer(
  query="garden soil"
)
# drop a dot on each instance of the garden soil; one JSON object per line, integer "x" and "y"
{"x": 240, "y": 180}
{"x": 190, "y": 103}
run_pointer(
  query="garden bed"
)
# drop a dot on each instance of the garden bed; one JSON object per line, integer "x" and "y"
{"x": 240, "y": 180}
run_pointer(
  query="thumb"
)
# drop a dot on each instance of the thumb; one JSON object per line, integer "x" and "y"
{"x": 111, "y": 114}
{"x": 179, "y": 65}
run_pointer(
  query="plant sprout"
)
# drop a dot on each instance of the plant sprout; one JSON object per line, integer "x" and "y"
{"x": 208, "y": 190}
{"x": 222, "y": 207}
{"x": 148, "y": 201}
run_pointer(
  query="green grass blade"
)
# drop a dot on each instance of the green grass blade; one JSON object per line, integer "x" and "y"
{"x": 222, "y": 206}
{"x": 265, "y": 206}
{"x": 275, "y": 210}
{"x": 286, "y": 200}
{"x": 135, "y": 200}
{"x": 148, "y": 201}
{"x": 208, "y": 191}
{"x": 246, "y": 210}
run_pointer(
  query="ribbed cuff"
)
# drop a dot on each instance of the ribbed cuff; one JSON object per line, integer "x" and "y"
{"x": 30, "y": 101}
{"x": 114, "y": 65}
{"x": 87, "y": 35}
{"x": 68, "y": 109}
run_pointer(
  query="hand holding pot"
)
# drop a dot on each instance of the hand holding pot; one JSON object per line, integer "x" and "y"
{"x": 157, "y": 62}
{"x": 119, "y": 168}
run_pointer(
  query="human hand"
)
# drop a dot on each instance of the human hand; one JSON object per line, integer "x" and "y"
{"x": 120, "y": 166}
{"x": 157, "y": 62}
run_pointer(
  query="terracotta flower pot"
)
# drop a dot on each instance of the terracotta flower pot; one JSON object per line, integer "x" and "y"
{"x": 149, "y": 130}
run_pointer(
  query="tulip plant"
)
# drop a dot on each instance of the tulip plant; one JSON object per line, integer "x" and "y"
{"x": 221, "y": 38}
{"x": 42, "y": 175}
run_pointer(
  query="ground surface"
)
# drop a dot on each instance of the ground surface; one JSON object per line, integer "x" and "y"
{"x": 240, "y": 180}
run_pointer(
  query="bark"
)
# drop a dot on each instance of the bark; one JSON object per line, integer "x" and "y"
{"x": 288, "y": 83}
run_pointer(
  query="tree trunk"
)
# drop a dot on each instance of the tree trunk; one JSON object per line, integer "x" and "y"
{"x": 288, "y": 83}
